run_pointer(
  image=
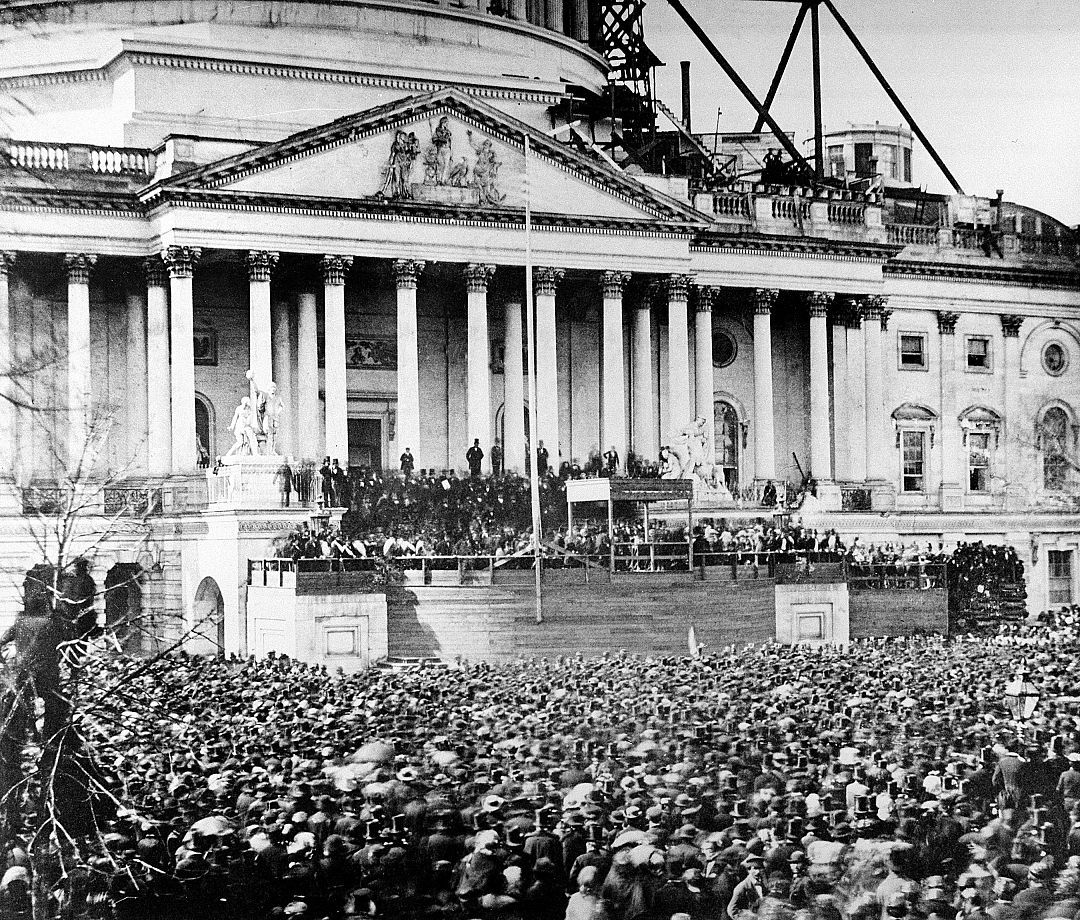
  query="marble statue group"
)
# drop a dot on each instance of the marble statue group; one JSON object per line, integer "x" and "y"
{"x": 256, "y": 422}
{"x": 690, "y": 456}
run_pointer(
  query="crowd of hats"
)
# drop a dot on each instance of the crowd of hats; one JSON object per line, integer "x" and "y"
{"x": 760, "y": 781}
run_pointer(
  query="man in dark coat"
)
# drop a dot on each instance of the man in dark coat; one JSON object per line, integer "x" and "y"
{"x": 474, "y": 456}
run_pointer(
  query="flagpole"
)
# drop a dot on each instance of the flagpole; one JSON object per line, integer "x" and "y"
{"x": 530, "y": 311}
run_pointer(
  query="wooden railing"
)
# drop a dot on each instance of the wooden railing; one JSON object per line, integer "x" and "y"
{"x": 626, "y": 559}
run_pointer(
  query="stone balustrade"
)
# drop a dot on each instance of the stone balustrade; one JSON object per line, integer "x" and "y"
{"x": 115, "y": 161}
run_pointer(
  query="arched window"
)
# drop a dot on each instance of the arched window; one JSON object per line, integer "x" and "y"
{"x": 204, "y": 432}
{"x": 1053, "y": 438}
{"x": 727, "y": 442}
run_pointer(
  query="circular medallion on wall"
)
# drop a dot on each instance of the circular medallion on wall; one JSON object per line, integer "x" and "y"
{"x": 1055, "y": 359}
{"x": 724, "y": 349}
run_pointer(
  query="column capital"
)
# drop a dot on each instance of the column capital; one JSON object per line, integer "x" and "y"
{"x": 703, "y": 298}
{"x": 79, "y": 265}
{"x": 946, "y": 322}
{"x": 7, "y": 259}
{"x": 846, "y": 312}
{"x": 546, "y": 279}
{"x": 407, "y": 273}
{"x": 477, "y": 277}
{"x": 181, "y": 260}
{"x": 764, "y": 300}
{"x": 870, "y": 308}
{"x": 818, "y": 302}
{"x": 334, "y": 268}
{"x": 155, "y": 271}
{"x": 677, "y": 287}
{"x": 876, "y": 306}
{"x": 1010, "y": 325}
{"x": 260, "y": 264}
{"x": 613, "y": 284}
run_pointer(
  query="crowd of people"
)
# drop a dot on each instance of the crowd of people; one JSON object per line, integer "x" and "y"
{"x": 883, "y": 780}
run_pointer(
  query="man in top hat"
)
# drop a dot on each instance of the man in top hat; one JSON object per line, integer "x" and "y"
{"x": 542, "y": 843}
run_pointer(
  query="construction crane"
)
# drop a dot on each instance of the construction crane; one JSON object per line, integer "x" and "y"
{"x": 622, "y": 41}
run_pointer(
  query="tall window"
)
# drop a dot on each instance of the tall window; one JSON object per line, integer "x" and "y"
{"x": 726, "y": 426}
{"x": 913, "y": 458}
{"x": 1060, "y": 565}
{"x": 978, "y": 461}
{"x": 1053, "y": 436}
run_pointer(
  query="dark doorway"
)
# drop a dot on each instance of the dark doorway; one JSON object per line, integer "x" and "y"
{"x": 365, "y": 443}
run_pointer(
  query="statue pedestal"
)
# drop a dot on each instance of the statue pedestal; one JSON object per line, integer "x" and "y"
{"x": 249, "y": 483}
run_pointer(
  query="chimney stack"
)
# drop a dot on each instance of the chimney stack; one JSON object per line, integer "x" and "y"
{"x": 685, "y": 65}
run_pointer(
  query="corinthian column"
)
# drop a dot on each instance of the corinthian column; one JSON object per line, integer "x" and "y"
{"x": 546, "y": 280}
{"x": 644, "y": 404}
{"x": 679, "y": 397}
{"x": 79, "y": 266}
{"x": 158, "y": 383}
{"x": 764, "y": 444}
{"x": 406, "y": 275}
{"x": 513, "y": 391}
{"x": 820, "y": 436}
{"x": 478, "y": 384}
{"x": 334, "y": 269}
{"x": 614, "y": 368}
{"x": 703, "y": 361}
{"x": 260, "y": 265}
{"x": 181, "y": 262}
{"x": 307, "y": 371}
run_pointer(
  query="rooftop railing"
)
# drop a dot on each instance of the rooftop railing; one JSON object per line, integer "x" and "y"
{"x": 40, "y": 156}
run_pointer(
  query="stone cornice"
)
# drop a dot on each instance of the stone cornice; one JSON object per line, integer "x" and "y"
{"x": 330, "y": 75}
{"x": 413, "y": 211}
{"x": 795, "y": 247}
{"x": 1026, "y": 277}
{"x": 117, "y": 204}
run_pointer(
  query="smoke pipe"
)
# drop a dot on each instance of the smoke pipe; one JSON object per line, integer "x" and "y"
{"x": 685, "y": 65}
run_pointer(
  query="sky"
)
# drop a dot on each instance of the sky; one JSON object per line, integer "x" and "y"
{"x": 995, "y": 85}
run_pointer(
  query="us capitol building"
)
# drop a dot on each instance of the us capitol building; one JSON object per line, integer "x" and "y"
{"x": 332, "y": 194}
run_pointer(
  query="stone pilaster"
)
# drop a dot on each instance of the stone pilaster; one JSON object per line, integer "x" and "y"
{"x": 950, "y": 449}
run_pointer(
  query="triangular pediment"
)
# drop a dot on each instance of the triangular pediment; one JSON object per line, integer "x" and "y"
{"x": 444, "y": 149}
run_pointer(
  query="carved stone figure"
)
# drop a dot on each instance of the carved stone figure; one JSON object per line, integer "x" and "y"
{"x": 267, "y": 410}
{"x": 403, "y": 151}
{"x": 437, "y": 157}
{"x": 690, "y": 456}
{"x": 243, "y": 429}
{"x": 486, "y": 171}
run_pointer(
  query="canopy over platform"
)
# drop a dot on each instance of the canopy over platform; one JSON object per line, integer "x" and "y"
{"x": 640, "y": 491}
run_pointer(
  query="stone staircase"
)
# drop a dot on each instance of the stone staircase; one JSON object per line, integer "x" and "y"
{"x": 647, "y": 615}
